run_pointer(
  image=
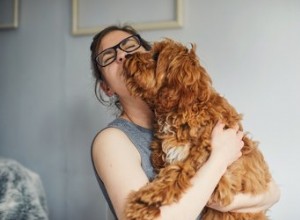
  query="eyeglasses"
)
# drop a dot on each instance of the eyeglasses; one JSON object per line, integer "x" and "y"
{"x": 109, "y": 55}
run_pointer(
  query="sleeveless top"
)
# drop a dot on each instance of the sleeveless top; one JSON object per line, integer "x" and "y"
{"x": 141, "y": 139}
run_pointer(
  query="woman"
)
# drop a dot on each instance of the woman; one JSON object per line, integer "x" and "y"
{"x": 120, "y": 152}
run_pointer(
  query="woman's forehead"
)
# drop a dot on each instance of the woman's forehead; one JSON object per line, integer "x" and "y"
{"x": 111, "y": 39}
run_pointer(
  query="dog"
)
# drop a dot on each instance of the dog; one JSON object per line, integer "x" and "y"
{"x": 170, "y": 79}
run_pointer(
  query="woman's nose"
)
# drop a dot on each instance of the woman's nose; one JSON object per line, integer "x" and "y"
{"x": 121, "y": 55}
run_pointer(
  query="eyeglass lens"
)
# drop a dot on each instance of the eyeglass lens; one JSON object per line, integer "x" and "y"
{"x": 109, "y": 55}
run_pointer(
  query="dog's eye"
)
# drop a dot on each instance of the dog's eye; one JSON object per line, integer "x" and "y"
{"x": 155, "y": 56}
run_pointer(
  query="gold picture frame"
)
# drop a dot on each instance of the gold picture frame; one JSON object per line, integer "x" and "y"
{"x": 175, "y": 23}
{"x": 10, "y": 14}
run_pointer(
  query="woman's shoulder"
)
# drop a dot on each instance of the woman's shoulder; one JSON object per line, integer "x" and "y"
{"x": 110, "y": 132}
{"x": 111, "y": 140}
{"x": 108, "y": 136}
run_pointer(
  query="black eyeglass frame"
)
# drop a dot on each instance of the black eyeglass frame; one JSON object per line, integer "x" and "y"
{"x": 117, "y": 46}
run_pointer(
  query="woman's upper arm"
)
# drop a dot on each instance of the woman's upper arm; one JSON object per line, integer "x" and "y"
{"x": 118, "y": 163}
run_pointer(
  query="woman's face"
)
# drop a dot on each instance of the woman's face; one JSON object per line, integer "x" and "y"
{"x": 112, "y": 72}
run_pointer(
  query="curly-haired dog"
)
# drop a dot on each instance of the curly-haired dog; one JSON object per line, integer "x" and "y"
{"x": 186, "y": 106}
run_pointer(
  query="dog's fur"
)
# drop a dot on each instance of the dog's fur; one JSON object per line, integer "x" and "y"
{"x": 186, "y": 106}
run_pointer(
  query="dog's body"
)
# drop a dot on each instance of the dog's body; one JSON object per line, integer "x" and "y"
{"x": 178, "y": 89}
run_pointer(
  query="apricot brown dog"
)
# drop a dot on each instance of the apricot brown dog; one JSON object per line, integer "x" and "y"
{"x": 186, "y": 106}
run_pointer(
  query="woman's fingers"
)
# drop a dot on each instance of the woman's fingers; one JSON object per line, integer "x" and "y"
{"x": 236, "y": 127}
{"x": 220, "y": 125}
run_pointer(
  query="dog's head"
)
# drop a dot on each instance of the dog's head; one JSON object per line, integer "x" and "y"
{"x": 168, "y": 76}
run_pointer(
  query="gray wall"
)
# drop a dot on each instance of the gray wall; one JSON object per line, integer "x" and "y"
{"x": 48, "y": 113}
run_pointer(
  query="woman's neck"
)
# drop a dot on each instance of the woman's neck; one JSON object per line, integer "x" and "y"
{"x": 138, "y": 113}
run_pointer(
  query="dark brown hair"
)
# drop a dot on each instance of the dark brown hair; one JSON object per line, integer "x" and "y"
{"x": 97, "y": 70}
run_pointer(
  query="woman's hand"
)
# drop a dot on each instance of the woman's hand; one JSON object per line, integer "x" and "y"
{"x": 226, "y": 144}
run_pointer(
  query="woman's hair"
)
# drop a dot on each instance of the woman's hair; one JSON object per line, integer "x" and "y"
{"x": 114, "y": 101}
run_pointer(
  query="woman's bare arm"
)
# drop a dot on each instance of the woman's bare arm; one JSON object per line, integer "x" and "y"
{"x": 249, "y": 203}
{"x": 118, "y": 163}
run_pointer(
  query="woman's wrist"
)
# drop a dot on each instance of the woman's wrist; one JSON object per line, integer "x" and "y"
{"x": 219, "y": 164}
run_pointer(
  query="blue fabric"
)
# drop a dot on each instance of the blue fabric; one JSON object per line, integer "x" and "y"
{"x": 141, "y": 138}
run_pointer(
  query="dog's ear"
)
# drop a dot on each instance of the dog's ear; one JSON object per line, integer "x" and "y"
{"x": 203, "y": 83}
{"x": 188, "y": 77}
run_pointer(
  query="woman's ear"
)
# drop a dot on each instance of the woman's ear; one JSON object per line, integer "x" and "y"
{"x": 107, "y": 90}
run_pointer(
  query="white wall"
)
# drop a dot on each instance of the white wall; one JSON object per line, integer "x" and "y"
{"x": 48, "y": 114}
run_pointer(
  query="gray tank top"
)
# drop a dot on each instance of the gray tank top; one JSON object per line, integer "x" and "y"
{"x": 141, "y": 138}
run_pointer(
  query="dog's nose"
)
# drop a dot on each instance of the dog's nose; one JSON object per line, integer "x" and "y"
{"x": 128, "y": 55}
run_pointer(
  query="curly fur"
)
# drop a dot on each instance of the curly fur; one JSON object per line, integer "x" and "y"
{"x": 186, "y": 106}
